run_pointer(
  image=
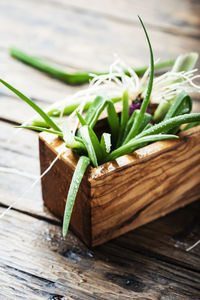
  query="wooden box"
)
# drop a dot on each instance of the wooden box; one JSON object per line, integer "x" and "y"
{"x": 126, "y": 193}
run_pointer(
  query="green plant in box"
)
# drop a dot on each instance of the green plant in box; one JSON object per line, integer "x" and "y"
{"x": 126, "y": 133}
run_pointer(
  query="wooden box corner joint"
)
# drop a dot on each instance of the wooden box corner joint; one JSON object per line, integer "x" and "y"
{"x": 126, "y": 193}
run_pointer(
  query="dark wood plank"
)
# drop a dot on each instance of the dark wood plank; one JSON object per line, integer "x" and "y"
{"x": 168, "y": 238}
{"x": 53, "y": 266}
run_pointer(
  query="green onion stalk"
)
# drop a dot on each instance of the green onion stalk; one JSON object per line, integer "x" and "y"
{"x": 172, "y": 81}
{"x": 72, "y": 78}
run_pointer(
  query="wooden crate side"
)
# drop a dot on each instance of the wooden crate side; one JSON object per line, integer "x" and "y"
{"x": 151, "y": 187}
{"x": 55, "y": 186}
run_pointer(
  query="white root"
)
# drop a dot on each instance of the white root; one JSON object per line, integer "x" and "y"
{"x": 170, "y": 84}
{"x": 193, "y": 246}
{"x": 30, "y": 187}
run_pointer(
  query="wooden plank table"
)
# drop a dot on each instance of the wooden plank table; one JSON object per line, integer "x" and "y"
{"x": 35, "y": 261}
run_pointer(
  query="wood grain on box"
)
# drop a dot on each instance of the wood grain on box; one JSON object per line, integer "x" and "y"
{"x": 126, "y": 193}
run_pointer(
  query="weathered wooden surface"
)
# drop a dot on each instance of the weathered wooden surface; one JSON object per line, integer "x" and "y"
{"x": 35, "y": 262}
{"x": 178, "y": 17}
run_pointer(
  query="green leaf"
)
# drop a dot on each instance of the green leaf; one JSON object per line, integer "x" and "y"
{"x": 99, "y": 110}
{"x": 137, "y": 143}
{"x": 39, "y": 122}
{"x": 146, "y": 119}
{"x": 165, "y": 126}
{"x": 180, "y": 106}
{"x": 81, "y": 167}
{"x": 124, "y": 118}
{"x": 81, "y": 119}
{"x": 92, "y": 144}
{"x": 60, "y": 134}
{"x": 71, "y": 78}
{"x": 71, "y": 106}
{"x": 48, "y": 68}
{"x": 92, "y": 110}
{"x": 148, "y": 126}
{"x": 113, "y": 121}
{"x": 70, "y": 140}
{"x": 106, "y": 143}
{"x": 161, "y": 110}
{"x": 130, "y": 123}
{"x": 145, "y": 102}
{"x": 48, "y": 120}
{"x": 157, "y": 66}
{"x": 191, "y": 125}
{"x": 185, "y": 62}
{"x": 78, "y": 139}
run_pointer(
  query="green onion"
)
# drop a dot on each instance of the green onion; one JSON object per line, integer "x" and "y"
{"x": 92, "y": 144}
{"x": 145, "y": 102}
{"x": 165, "y": 126}
{"x": 191, "y": 125}
{"x": 81, "y": 119}
{"x": 46, "y": 118}
{"x": 60, "y": 134}
{"x": 185, "y": 62}
{"x": 113, "y": 121}
{"x": 70, "y": 107}
{"x": 124, "y": 117}
{"x": 147, "y": 118}
{"x": 54, "y": 113}
{"x": 161, "y": 110}
{"x": 70, "y": 140}
{"x": 130, "y": 126}
{"x": 92, "y": 110}
{"x": 71, "y": 78}
{"x": 147, "y": 126}
{"x": 181, "y": 105}
{"x": 157, "y": 66}
{"x": 81, "y": 167}
{"x": 136, "y": 143}
{"x": 106, "y": 143}
{"x": 130, "y": 123}
{"x": 39, "y": 122}
{"x": 76, "y": 78}
{"x": 98, "y": 112}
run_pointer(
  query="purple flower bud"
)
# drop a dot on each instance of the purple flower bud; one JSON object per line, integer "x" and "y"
{"x": 134, "y": 105}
